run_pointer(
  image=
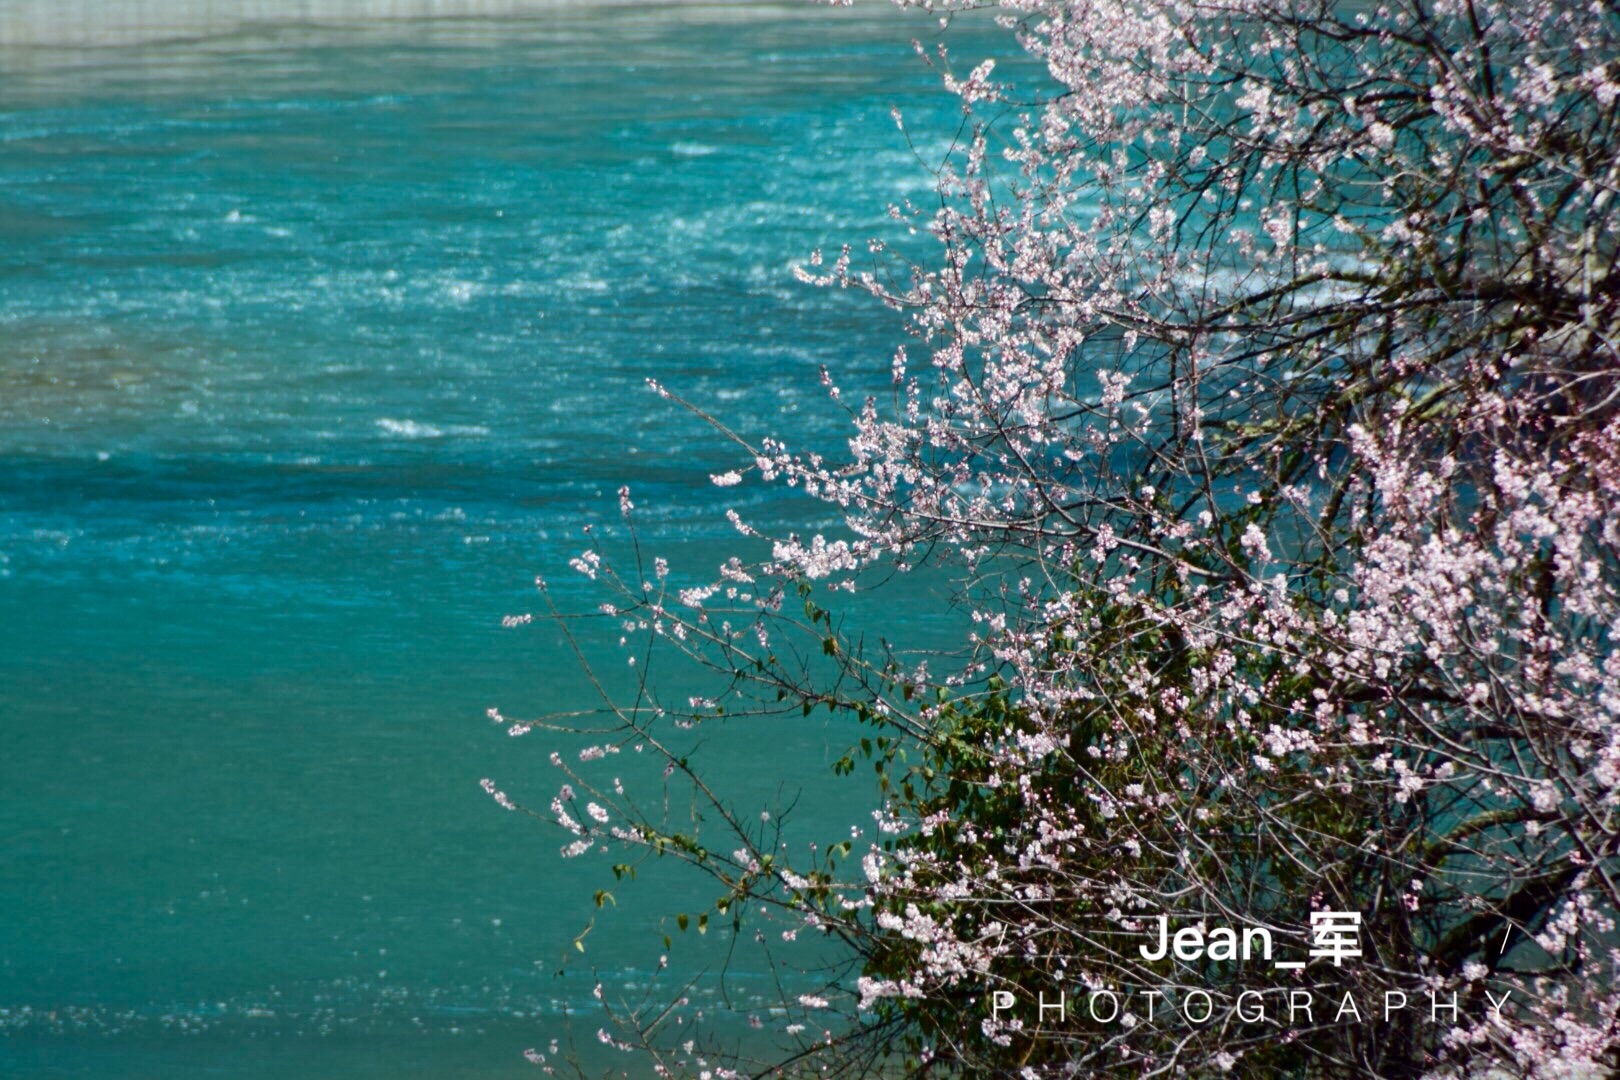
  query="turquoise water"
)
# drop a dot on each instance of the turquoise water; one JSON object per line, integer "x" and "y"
{"x": 315, "y": 347}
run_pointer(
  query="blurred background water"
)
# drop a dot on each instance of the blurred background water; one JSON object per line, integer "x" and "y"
{"x": 317, "y": 343}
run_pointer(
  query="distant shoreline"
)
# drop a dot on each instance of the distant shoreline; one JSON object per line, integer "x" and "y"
{"x": 76, "y": 24}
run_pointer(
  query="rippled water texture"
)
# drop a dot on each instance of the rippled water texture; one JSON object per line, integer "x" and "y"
{"x": 316, "y": 345}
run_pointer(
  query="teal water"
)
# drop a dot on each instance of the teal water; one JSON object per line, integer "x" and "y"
{"x": 315, "y": 347}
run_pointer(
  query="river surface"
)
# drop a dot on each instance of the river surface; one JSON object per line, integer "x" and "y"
{"x": 317, "y": 345}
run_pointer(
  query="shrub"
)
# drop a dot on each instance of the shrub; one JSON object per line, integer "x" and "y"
{"x": 1267, "y": 411}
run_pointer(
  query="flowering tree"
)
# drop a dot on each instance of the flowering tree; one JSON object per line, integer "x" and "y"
{"x": 1265, "y": 398}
